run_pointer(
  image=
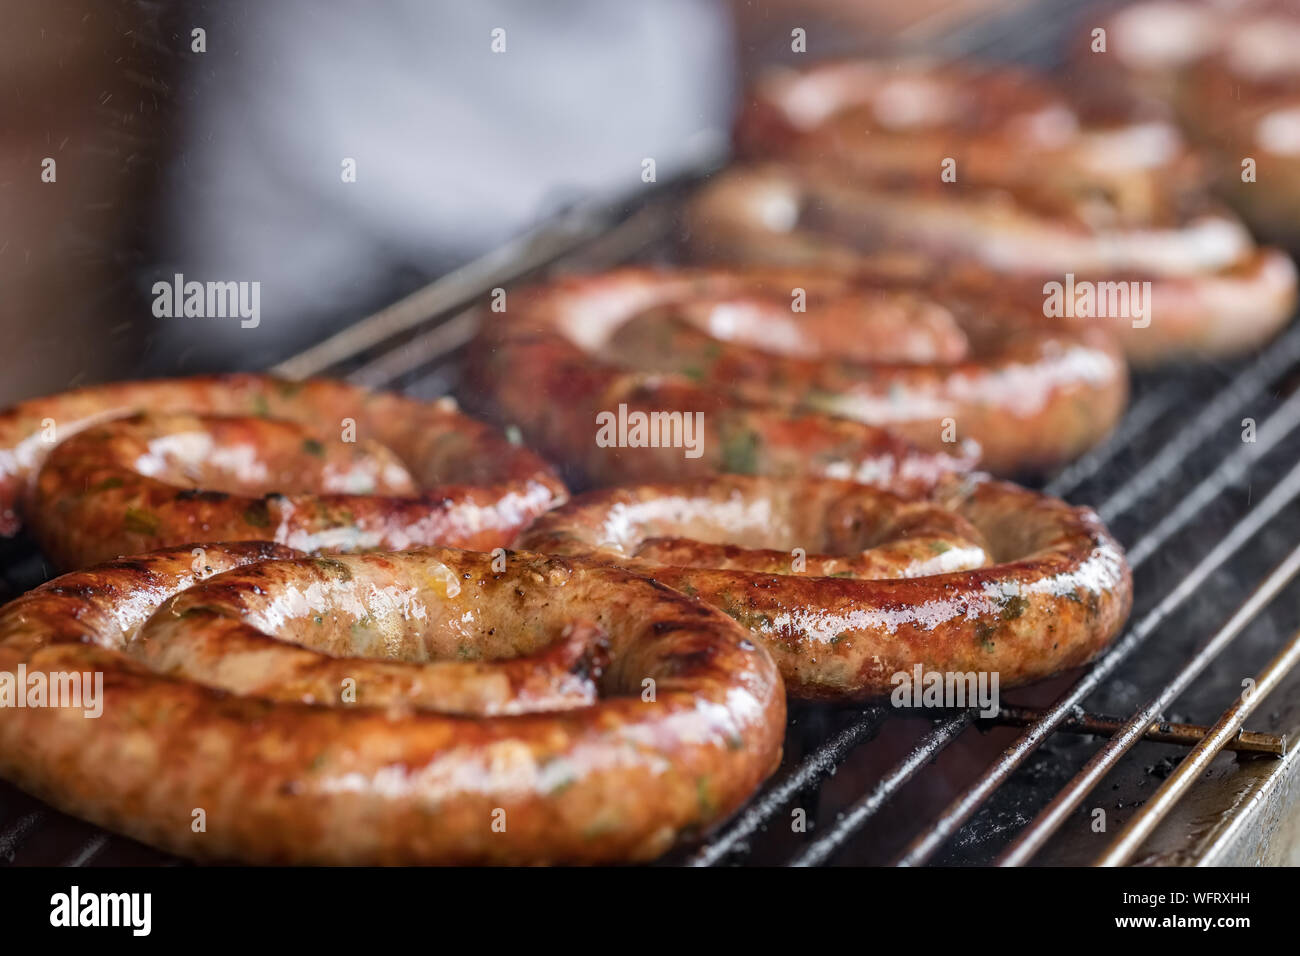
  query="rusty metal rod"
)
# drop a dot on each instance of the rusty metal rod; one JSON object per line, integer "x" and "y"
{"x": 1159, "y": 731}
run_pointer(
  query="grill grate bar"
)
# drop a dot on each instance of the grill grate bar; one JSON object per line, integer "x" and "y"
{"x": 649, "y": 223}
{"x": 819, "y": 764}
{"x": 92, "y": 848}
{"x": 19, "y": 831}
{"x": 437, "y": 342}
{"x": 1141, "y": 415}
{"x": 1159, "y": 731}
{"x": 943, "y": 733}
{"x": 538, "y": 247}
{"x": 1233, "y": 468}
{"x": 1198, "y": 760}
{"x": 1024, "y": 34}
{"x": 960, "y": 810}
{"x": 1035, "y": 836}
{"x": 1251, "y": 384}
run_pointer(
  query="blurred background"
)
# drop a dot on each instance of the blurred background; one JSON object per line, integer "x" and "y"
{"x": 223, "y": 154}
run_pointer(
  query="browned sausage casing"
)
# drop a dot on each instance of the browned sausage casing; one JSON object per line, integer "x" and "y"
{"x": 983, "y": 576}
{"x": 317, "y": 465}
{"x": 553, "y": 711}
{"x": 788, "y": 393}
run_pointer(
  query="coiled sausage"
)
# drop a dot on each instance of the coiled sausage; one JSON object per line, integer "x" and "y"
{"x": 432, "y": 706}
{"x": 318, "y": 465}
{"x": 849, "y": 586}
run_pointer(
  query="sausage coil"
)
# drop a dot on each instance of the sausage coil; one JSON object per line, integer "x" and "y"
{"x": 318, "y": 465}
{"x": 849, "y": 586}
{"x": 789, "y": 393}
{"x": 552, "y": 711}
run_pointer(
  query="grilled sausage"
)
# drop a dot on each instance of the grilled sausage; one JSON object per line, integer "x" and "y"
{"x": 788, "y": 394}
{"x": 849, "y": 161}
{"x": 1232, "y": 75}
{"x": 226, "y": 690}
{"x": 317, "y": 465}
{"x": 983, "y": 576}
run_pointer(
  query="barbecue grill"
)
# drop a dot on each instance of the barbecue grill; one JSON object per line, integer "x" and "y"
{"x": 1200, "y": 482}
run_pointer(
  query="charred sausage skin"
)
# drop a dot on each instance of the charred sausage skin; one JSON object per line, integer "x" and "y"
{"x": 317, "y": 465}
{"x": 1050, "y": 591}
{"x": 690, "y": 719}
{"x": 1031, "y": 396}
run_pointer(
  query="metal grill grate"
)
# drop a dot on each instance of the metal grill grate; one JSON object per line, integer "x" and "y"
{"x": 1210, "y": 523}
